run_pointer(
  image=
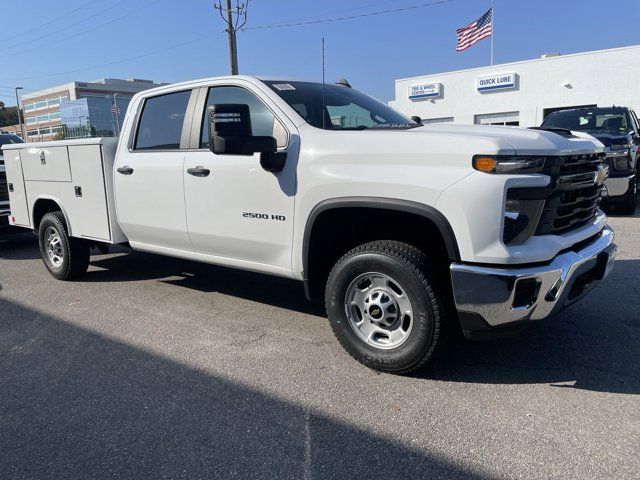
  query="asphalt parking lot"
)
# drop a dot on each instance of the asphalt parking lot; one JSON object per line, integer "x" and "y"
{"x": 153, "y": 367}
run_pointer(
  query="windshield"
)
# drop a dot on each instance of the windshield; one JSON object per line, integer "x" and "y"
{"x": 345, "y": 108}
{"x": 591, "y": 120}
{"x": 6, "y": 139}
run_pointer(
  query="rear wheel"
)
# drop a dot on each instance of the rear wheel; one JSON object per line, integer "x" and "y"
{"x": 383, "y": 307}
{"x": 65, "y": 257}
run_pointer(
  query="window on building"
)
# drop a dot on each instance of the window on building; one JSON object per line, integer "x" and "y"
{"x": 263, "y": 122}
{"x": 161, "y": 122}
{"x": 426, "y": 121}
{"x": 28, "y": 107}
{"x": 41, "y": 104}
{"x": 505, "y": 118}
{"x": 44, "y": 131}
{"x": 31, "y": 120}
{"x": 53, "y": 102}
{"x": 32, "y": 133}
{"x": 42, "y": 118}
{"x": 54, "y": 116}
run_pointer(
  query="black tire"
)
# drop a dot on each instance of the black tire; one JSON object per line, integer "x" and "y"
{"x": 408, "y": 267}
{"x": 628, "y": 205}
{"x": 73, "y": 252}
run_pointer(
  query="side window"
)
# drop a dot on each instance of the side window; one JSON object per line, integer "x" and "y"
{"x": 636, "y": 122}
{"x": 263, "y": 122}
{"x": 160, "y": 126}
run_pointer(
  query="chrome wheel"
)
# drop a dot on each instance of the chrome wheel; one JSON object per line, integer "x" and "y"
{"x": 53, "y": 243}
{"x": 379, "y": 310}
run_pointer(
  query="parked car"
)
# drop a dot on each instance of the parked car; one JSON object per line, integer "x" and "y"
{"x": 405, "y": 230}
{"x": 5, "y": 138}
{"x": 618, "y": 129}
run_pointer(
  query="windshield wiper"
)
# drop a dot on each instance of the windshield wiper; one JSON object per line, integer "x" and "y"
{"x": 395, "y": 125}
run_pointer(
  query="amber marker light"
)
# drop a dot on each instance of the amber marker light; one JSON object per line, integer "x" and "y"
{"x": 485, "y": 164}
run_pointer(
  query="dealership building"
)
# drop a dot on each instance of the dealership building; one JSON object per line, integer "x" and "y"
{"x": 523, "y": 93}
{"x": 96, "y": 107}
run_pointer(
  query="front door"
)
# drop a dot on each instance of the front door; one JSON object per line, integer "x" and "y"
{"x": 149, "y": 176}
{"x": 239, "y": 211}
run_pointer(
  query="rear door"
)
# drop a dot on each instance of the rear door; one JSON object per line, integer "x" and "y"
{"x": 239, "y": 211}
{"x": 149, "y": 174}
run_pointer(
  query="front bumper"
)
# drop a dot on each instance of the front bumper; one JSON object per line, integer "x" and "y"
{"x": 617, "y": 187}
{"x": 497, "y": 300}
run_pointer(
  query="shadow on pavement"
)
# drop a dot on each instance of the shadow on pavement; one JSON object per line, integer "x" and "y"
{"x": 75, "y": 404}
{"x": 271, "y": 290}
{"x": 18, "y": 244}
{"x": 592, "y": 345}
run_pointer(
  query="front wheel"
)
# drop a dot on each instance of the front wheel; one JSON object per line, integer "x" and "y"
{"x": 628, "y": 205}
{"x": 65, "y": 257}
{"x": 383, "y": 307}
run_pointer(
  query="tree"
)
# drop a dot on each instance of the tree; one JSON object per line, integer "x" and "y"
{"x": 8, "y": 115}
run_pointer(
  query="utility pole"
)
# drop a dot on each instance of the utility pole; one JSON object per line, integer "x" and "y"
{"x": 235, "y": 18}
{"x": 116, "y": 113}
{"x": 20, "y": 115}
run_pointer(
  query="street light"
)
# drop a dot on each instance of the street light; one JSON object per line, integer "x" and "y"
{"x": 19, "y": 116}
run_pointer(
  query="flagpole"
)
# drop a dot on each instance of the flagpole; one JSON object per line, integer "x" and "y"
{"x": 493, "y": 29}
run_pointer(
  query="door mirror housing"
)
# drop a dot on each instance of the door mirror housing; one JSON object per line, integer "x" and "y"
{"x": 230, "y": 131}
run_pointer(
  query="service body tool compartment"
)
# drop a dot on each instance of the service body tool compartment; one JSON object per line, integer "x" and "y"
{"x": 77, "y": 175}
{"x": 17, "y": 193}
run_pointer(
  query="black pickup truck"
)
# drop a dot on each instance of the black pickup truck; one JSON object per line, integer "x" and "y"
{"x": 618, "y": 129}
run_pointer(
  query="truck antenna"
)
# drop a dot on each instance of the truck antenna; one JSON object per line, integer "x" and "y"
{"x": 324, "y": 105}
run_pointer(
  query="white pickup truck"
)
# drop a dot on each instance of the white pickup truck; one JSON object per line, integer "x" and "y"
{"x": 407, "y": 230}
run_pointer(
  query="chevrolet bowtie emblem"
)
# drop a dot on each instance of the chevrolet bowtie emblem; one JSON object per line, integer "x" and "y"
{"x": 601, "y": 175}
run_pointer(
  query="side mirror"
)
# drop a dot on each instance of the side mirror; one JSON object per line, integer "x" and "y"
{"x": 417, "y": 119}
{"x": 230, "y": 131}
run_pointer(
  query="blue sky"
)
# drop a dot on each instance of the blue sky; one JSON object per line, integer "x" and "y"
{"x": 174, "y": 40}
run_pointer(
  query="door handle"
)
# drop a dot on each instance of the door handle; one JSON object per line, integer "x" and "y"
{"x": 125, "y": 170}
{"x": 199, "y": 171}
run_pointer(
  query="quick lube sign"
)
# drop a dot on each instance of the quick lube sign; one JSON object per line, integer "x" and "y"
{"x": 426, "y": 90}
{"x": 502, "y": 81}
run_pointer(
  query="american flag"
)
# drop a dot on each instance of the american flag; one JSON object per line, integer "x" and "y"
{"x": 476, "y": 31}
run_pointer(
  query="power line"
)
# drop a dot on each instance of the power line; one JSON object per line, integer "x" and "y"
{"x": 99, "y": 12}
{"x": 49, "y": 22}
{"x": 90, "y": 30}
{"x": 350, "y": 17}
{"x": 336, "y": 12}
{"x": 135, "y": 57}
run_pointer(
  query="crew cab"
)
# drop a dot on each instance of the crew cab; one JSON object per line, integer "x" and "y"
{"x": 618, "y": 129}
{"x": 407, "y": 231}
{"x": 5, "y": 138}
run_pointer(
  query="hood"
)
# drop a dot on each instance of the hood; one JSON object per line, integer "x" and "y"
{"x": 523, "y": 140}
{"x": 611, "y": 138}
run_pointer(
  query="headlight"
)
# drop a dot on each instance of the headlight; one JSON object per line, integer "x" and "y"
{"x": 621, "y": 163}
{"x": 618, "y": 156}
{"x": 521, "y": 218}
{"x": 504, "y": 164}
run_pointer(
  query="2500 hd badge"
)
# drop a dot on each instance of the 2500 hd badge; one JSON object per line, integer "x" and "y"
{"x": 264, "y": 216}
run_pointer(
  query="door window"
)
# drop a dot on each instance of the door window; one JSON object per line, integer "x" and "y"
{"x": 263, "y": 122}
{"x": 160, "y": 126}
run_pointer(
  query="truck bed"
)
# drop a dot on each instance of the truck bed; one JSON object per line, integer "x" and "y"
{"x": 76, "y": 174}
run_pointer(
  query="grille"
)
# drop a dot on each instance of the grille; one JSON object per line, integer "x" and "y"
{"x": 4, "y": 190}
{"x": 575, "y": 198}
